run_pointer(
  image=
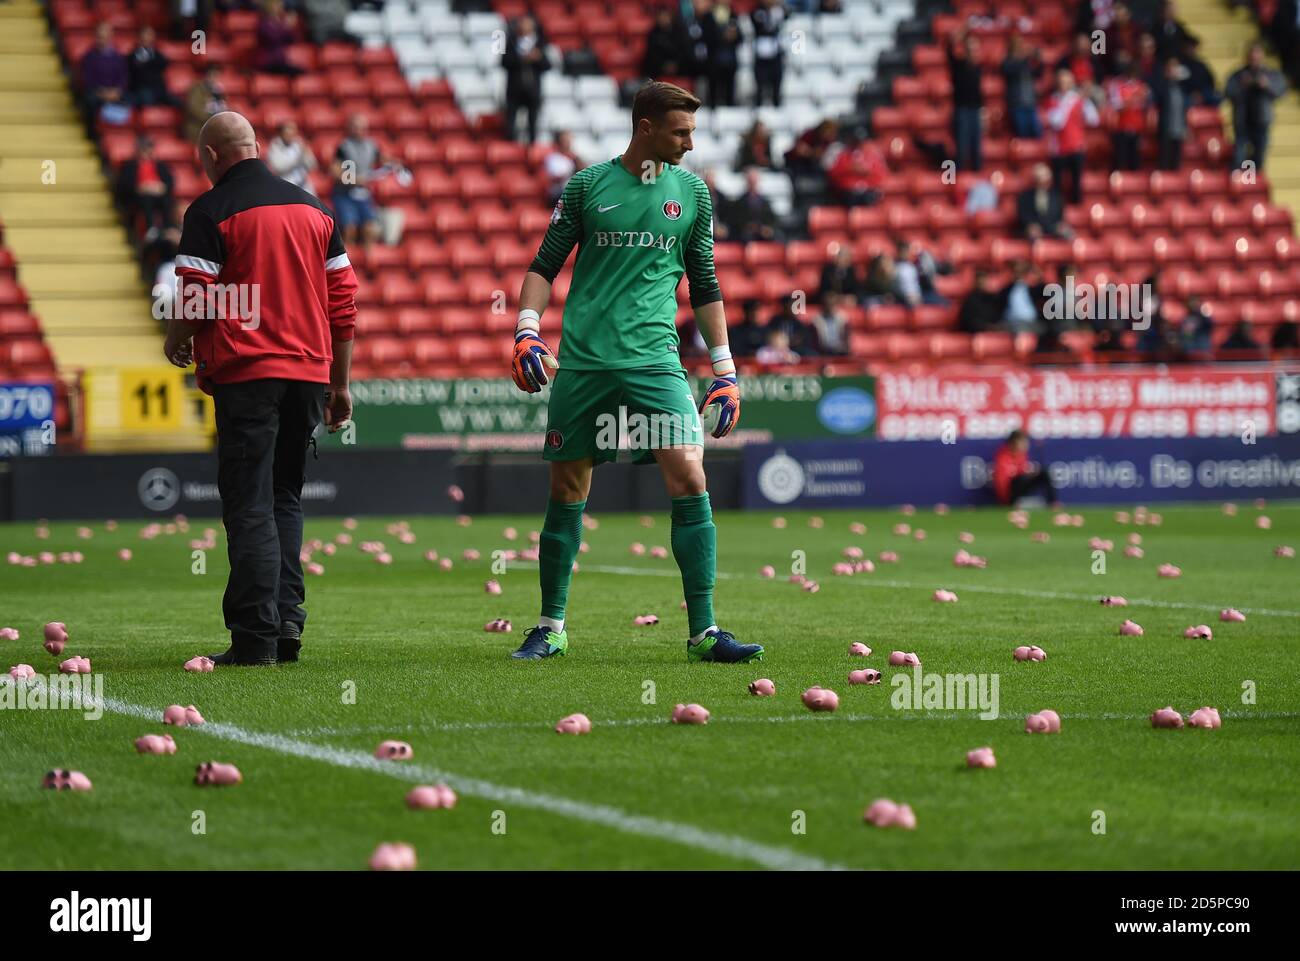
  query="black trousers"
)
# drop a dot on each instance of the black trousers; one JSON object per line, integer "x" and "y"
{"x": 1070, "y": 164}
{"x": 516, "y": 100}
{"x": 1127, "y": 151}
{"x": 1026, "y": 484}
{"x": 263, "y": 429}
{"x": 767, "y": 81}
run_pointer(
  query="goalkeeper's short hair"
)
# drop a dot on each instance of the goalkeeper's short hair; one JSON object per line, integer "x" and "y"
{"x": 657, "y": 99}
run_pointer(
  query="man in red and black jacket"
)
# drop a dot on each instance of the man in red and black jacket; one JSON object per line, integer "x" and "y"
{"x": 1015, "y": 477}
{"x": 265, "y": 307}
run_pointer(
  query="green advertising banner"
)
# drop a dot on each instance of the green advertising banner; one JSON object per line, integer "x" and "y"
{"x": 492, "y": 414}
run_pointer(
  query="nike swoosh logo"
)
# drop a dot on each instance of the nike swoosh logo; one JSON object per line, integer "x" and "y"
{"x": 602, "y": 209}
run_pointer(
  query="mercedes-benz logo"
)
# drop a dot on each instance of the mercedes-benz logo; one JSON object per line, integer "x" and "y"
{"x": 159, "y": 489}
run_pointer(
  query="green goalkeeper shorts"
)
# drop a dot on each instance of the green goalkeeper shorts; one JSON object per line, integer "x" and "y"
{"x": 595, "y": 413}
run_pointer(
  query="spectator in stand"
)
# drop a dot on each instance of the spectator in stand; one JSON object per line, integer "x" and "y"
{"x": 144, "y": 185}
{"x": 325, "y": 19}
{"x": 146, "y": 69}
{"x": 752, "y": 217}
{"x": 1171, "y": 36}
{"x": 205, "y": 98}
{"x": 982, "y": 308}
{"x": 756, "y": 148}
{"x": 1084, "y": 66}
{"x": 1252, "y": 90}
{"x": 1123, "y": 37}
{"x": 878, "y": 288}
{"x": 1200, "y": 86}
{"x": 722, "y": 36}
{"x": 776, "y": 351}
{"x": 1129, "y": 99}
{"x": 832, "y": 326}
{"x": 747, "y": 336}
{"x": 967, "y": 99}
{"x": 1197, "y": 328}
{"x": 290, "y": 157}
{"x": 1020, "y": 71}
{"x": 188, "y": 16}
{"x": 104, "y": 79}
{"x": 799, "y": 336}
{"x": 663, "y": 47}
{"x": 1171, "y": 108}
{"x": 766, "y": 21}
{"x": 277, "y": 31}
{"x": 1015, "y": 477}
{"x": 691, "y": 17}
{"x": 354, "y": 167}
{"x": 1069, "y": 114}
{"x": 1093, "y": 15}
{"x": 1161, "y": 342}
{"x": 805, "y": 158}
{"x": 721, "y": 206}
{"x": 1284, "y": 29}
{"x": 857, "y": 174}
{"x": 981, "y": 195}
{"x": 525, "y": 61}
{"x": 1041, "y": 209}
{"x": 1241, "y": 341}
{"x": 1286, "y": 335}
{"x": 914, "y": 272}
{"x": 1022, "y": 298}
{"x": 839, "y": 274}
{"x": 561, "y": 163}
{"x": 1147, "y": 61}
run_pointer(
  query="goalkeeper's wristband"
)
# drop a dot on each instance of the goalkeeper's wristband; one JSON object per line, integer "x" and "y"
{"x": 529, "y": 320}
{"x": 723, "y": 365}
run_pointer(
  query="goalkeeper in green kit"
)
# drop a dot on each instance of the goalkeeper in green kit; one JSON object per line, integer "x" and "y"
{"x": 640, "y": 222}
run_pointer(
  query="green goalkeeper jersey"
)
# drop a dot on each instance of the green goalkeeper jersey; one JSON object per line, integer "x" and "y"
{"x": 635, "y": 240}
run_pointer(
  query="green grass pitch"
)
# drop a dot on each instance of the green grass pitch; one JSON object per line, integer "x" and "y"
{"x": 639, "y": 792}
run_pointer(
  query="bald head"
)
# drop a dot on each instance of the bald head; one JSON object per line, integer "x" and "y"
{"x": 225, "y": 140}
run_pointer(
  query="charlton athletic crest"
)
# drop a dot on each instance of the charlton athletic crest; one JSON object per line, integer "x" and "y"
{"x": 672, "y": 209}
{"x": 558, "y": 212}
{"x": 554, "y": 439}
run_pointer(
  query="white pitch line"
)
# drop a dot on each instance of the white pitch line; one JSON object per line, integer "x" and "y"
{"x": 727, "y": 845}
{"x": 454, "y": 726}
{"x": 866, "y": 580}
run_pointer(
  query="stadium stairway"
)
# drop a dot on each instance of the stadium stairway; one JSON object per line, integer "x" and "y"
{"x": 1226, "y": 32}
{"x": 78, "y": 271}
{"x": 59, "y": 221}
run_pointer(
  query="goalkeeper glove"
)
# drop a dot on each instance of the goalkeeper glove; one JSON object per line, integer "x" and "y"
{"x": 723, "y": 393}
{"x": 531, "y": 357}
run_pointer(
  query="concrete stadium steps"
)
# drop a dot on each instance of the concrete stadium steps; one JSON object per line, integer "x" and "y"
{"x": 81, "y": 276}
{"x": 89, "y": 282}
{"x": 67, "y": 208}
{"x": 1225, "y": 34}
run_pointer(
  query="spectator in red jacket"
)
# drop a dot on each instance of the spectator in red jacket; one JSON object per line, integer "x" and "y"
{"x": 1015, "y": 476}
{"x": 858, "y": 172}
{"x": 1129, "y": 98}
{"x": 1069, "y": 114}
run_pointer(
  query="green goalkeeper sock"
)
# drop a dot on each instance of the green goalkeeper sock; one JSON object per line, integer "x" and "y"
{"x": 558, "y": 549}
{"x": 695, "y": 548}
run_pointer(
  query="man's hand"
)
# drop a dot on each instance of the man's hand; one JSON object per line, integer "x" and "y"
{"x": 179, "y": 350}
{"x": 724, "y": 394}
{"x": 338, "y": 408}
{"x": 532, "y": 356}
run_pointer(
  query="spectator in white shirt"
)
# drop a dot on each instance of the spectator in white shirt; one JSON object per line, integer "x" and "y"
{"x": 560, "y": 164}
{"x": 290, "y": 157}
